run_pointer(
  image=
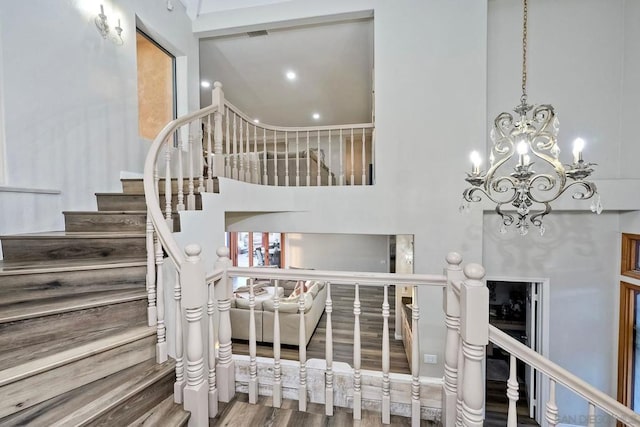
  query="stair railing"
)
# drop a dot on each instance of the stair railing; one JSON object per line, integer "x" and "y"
{"x": 466, "y": 306}
{"x": 294, "y": 156}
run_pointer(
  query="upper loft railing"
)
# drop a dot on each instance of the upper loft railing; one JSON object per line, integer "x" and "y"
{"x": 240, "y": 148}
{"x": 205, "y": 369}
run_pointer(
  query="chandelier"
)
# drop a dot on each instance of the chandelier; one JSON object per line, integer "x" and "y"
{"x": 522, "y": 144}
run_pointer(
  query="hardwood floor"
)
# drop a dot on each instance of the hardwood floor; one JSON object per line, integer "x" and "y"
{"x": 240, "y": 413}
{"x": 371, "y": 322}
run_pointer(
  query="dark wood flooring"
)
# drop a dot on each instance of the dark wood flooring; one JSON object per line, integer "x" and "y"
{"x": 240, "y": 413}
{"x": 371, "y": 322}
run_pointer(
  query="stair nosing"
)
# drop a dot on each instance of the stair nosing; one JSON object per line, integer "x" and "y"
{"x": 90, "y": 413}
{"x": 184, "y": 415}
{"x": 138, "y": 295}
{"x": 35, "y": 367}
{"x": 123, "y": 212}
{"x": 75, "y": 235}
{"x": 52, "y": 269}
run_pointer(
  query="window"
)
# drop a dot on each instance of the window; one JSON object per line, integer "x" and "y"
{"x": 255, "y": 249}
{"x": 156, "y": 86}
{"x": 630, "y": 262}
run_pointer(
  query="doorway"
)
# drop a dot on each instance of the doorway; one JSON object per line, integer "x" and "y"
{"x": 515, "y": 307}
{"x": 156, "y": 86}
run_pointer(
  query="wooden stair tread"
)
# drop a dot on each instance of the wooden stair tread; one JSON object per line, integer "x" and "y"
{"x": 16, "y": 373}
{"x": 30, "y": 309}
{"x": 33, "y": 338}
{"x": 98, "y": 396}
{"x": 104, "y": 212}
{"x": 13, "y": 267}
{"x": 72, "y": 235}
{"x": 167, "y": 413}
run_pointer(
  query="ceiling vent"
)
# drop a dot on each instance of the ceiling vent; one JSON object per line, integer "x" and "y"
{"x": 257, "y": 33}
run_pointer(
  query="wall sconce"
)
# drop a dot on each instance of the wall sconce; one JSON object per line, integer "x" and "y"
{"x": 103, "y": 27}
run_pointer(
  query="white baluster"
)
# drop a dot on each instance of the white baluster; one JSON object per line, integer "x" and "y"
{"x": 297, "y": 159}
{"x": 256, "y": 159}
{"x": 191, "y": 198}
{"x": 277, "y": 372}
{"x": 328, "y": 395}
{"x": 286, "y": 159}
{"x": 209, "y": 186}
{"x": 168, "y": 211}
{"x": 161, "y": 346}
{"x": 386, "y": 397}
{"x": 474, "y": 329}
{"x": 241, "y": 158}
{"x": 330, "y": 178}
{"x": 308, "y": 162}
{"x": 247, "y": 171}
{"x": 453, "y": 350}
{"x": 225, "y": 369}
{"x": 152, "y": 315}
{"x": 200, "y": 136}
{"x": 265, "y": 174}
{"x": 180, "y": 178}
{"x": 319, "y": 180}
{"x": 194, "y": 288}
{"x": 275, "y": 158}
{"x": 211, "y": 351}
{"x": 512, "y": 393}
{"x": 592, "y": 415}
{"x": 364, "y": 169}
{"x": 341, "y": 182}
{"x": 357, "y": 391}
{"x": 353, "y": 160}
{"x": 228, "y": 154}
{"x": 234, "y": 169}
{"x": 415, "y": 359}
{"x": 253, "y": 367}
{"x": 302, "y": 350}
{"x": 178, "y": 386}
{"x": 216, "y": 159}
{"x": 551, "y": 415}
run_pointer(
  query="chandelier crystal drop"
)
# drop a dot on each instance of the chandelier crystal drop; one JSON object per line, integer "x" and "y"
{"x": 525, "y": 173}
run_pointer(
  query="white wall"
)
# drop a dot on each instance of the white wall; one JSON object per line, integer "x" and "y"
{"x": 345, "y": 252}
{"x": 70, "y": 98}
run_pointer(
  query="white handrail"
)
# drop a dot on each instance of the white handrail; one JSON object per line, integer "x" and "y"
{"x": 564, "y": 377}
{"x": 339, "y": 277}
{"x": 162, "y": 229}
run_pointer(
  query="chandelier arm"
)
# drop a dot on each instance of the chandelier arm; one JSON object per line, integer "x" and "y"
{"x": 589, "y": 187}
{"x": 536, "y": 219}
{"x": 470, "y": 196}
{"x": 507, "y": 219}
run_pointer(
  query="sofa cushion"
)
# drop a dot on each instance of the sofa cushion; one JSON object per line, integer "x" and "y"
{"x": 289, "y": 305}
{"x": 244, "y": 303}
{"x": 314, "y": 289}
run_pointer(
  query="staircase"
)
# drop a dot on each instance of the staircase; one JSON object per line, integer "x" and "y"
{"x": 75, "y": 345}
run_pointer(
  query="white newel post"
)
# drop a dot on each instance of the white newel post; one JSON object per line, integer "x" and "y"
{"x": 217, "y": 165}
{"x": 452, "y": 321}
{"x": 328, "y": 394}
{"x": 178, "y": 386}
{"x": 415, "y": 359}
{"x": 474, "y": 331}
{"x": 225, "y": 369}
{"x": 194, "y": 289}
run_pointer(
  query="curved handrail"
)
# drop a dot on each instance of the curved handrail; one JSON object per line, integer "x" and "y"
{"x": 150, "y": 192}
{"x": 261, "y": 125}
{"x": 562, "y": 376}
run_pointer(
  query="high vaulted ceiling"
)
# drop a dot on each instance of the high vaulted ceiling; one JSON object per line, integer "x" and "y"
{"x": 333, "y": 64}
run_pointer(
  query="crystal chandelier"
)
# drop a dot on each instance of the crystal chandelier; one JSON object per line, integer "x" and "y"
{"x": 530, "y": 140}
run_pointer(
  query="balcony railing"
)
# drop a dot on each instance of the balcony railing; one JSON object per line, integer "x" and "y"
{"x": 206, "y": 368}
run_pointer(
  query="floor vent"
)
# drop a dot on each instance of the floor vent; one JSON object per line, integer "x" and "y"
{"x": 257, "y": 33}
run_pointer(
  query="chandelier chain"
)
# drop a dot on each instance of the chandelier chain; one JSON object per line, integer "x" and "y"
{"x": 523, "y": 98}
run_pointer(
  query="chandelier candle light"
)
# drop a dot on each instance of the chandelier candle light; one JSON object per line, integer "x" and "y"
{"x": 532, "y": 135}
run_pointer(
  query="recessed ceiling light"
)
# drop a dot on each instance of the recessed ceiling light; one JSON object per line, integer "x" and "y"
{"x": 291, "y": 75}
{"x": 316, "y": 116}
{"x": 256, "y": 121}
{"x": 205, "y": 84}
